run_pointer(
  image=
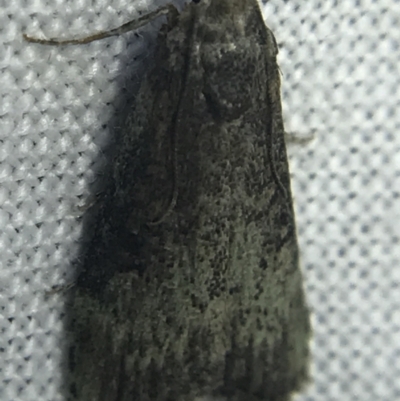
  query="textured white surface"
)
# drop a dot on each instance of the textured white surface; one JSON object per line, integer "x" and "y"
{"x": 59, "y": 107}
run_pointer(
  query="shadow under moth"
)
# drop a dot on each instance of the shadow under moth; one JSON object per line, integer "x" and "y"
{"x": 190, "y": 288}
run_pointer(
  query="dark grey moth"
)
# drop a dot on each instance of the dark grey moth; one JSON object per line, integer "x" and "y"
{"x": 190, "y": 288}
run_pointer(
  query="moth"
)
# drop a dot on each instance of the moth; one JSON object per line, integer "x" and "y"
{"x": 190, "y": 288}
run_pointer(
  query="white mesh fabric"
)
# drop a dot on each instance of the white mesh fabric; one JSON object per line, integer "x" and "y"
{"x": 59, "y": 107}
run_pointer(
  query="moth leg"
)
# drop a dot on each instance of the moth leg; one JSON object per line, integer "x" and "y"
{"x": 297, "y": 140}
{"x": 168, "y": 9}
{"x": 60, "y": 289}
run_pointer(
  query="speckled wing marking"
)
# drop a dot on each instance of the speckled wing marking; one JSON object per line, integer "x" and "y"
{"x": 191, "y": 285}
